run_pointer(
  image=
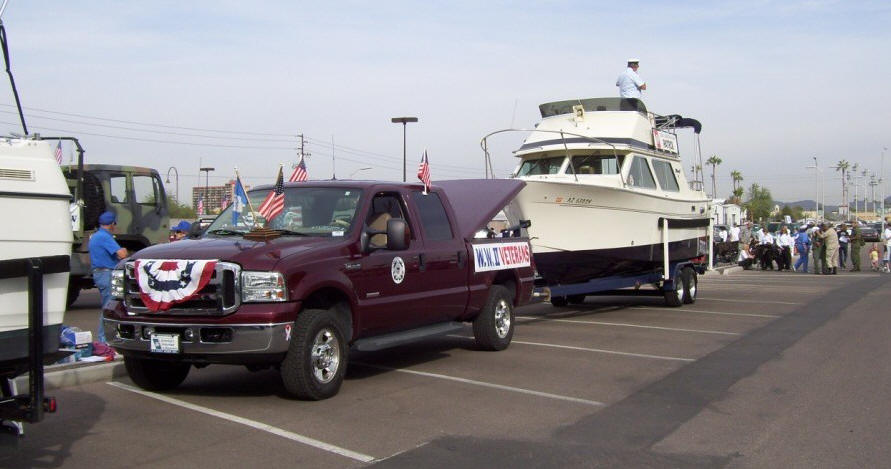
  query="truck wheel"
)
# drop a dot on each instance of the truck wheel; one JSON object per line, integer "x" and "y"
{"x": 675, "y": 296}
{"x": 493, "y": 329}
{"x": 559, "y": 301}
{"x": 690, "y": 283}
{"x": 156, "y": 375}
{"x": 316, "y": 361}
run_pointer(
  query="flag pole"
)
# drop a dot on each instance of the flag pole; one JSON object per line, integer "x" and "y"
{"x": 250, "y": 207}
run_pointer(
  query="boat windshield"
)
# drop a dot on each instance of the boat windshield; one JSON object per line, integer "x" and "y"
{"x": 308, "y": 211}
{"x": 596, "y": 164}
{"x": 541, "y": 166}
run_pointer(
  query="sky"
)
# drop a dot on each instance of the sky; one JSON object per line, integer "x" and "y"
{"x": 230, "y": 84}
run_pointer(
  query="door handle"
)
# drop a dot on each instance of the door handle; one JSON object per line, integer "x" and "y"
{"x": 461, "y": 258}
{"x": 421, "y": 265}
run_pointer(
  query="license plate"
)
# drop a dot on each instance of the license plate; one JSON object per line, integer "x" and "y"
{"x": 165, "y": 343}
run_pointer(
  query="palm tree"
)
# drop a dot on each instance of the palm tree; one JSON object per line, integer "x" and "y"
{"x": 843, "y": 166}
{"x": 736, "y": 178}
{"x": 714, "y": 160}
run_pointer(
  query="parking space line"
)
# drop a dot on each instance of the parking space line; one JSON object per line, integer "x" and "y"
{"x": 750, "y": 301}
{"x": 486, "y": 385}
{"x": 251, "y": 423}
{"x": 596, "y": 350}
{"x": 621, "y": 324}
{"x": 699, "y": 311}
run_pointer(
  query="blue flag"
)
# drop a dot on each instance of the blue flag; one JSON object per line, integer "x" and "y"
{"x": 239, "y": 201}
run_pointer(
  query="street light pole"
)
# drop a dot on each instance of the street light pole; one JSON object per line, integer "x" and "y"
{"x": 882, "y": 182}
{"x": 175, "y": 173}
{"x": 818, "y": 184}
{"x": 404, "y": 121}
{"x": 206, "y": 187}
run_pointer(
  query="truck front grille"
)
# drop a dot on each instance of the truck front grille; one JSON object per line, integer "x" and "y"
{"x": 221, "y": 295}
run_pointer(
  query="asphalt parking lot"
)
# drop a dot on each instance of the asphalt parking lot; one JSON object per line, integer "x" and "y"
{"x": 766, "y": 369}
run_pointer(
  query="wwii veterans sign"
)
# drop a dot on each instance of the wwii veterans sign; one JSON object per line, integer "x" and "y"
{"x": 500, "y": 256}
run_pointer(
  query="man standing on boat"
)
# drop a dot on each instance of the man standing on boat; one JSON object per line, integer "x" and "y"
{"x": 629, "y": 82}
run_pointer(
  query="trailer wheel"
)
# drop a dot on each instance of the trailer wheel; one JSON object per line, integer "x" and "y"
{"x": 559, "y": 301}
{"x": 576, "y": 299}
{"x": 493, "y": 329}
{"x": 156, "y": 375}
{"x": 675, "y": 297}
{"x": 690, "y": 285}
{"x": 314, "y": 367}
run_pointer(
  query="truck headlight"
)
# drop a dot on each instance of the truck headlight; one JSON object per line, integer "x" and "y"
{"x": 117, "y": 284}
{"x": 262, "y": 287}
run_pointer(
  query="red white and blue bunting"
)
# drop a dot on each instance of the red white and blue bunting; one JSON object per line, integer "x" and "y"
{"x": 164, "y": 283}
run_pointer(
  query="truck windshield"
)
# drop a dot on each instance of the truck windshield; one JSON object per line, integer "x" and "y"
{"x": 310, "y": 211}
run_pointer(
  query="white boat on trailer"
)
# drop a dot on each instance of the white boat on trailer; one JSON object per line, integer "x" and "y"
{"x": 606, "y": 192}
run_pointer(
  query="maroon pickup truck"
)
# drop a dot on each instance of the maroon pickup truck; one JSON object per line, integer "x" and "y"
{"x": 346, "y": 264}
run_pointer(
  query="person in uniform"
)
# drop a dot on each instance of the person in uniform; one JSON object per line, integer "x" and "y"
{"x": 830, "y": 244}
{"x": 105, "y": 253}
{"x": 856, "y": 242}
{"x": 817, "y": 249}
{"x": 629, "y": 82}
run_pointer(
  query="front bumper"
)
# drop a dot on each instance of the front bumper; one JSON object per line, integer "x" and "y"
{"x": 216, "y": 342}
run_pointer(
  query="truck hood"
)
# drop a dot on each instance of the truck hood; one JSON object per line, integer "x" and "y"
{"x": 477, "y": 201}
{"x": 253, "y": 255}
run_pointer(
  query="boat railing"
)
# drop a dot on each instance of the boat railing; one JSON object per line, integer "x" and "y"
{"x": 490, "y": 171}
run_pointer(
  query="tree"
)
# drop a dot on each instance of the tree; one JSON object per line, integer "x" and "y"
{"x": 795, "y": 213}
{"x": 736, "y": 179}
{"x": 714, "y": 160}
{"x": 760, "y": 202}
{"x": 178, "y": 210}
{"x": 843, "y": 166}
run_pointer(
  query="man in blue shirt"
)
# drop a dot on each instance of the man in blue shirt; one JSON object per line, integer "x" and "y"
{"x": 629, "y": 82}
{"x": 105, "y": 253}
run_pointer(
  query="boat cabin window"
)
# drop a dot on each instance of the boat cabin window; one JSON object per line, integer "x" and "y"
{"x": 541, "y": 166}
{"x": 665, "y": 175}
{"x": 640, "y": 175}
{"x": 596, "y": 164}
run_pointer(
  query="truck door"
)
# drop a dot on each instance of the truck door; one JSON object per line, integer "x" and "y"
{"x": 442, "y": 259}
{"x": 390, "y": 292}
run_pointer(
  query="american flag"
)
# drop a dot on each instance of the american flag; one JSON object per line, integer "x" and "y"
{"x": 59, "y": 152}
{"x": 299, "y": 174}
{"x": 200, "y": 208}
{"x": 274, "y": 203}
{"x": 424, "y": 172}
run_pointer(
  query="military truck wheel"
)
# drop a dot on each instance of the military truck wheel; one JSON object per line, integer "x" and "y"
{"x": 73, "y": 293}
{"x": 316, "y": 362}
{"x": 156, "y": 375}
{"x": 690, "y": 285}
{"x": 675, "y": 296}
{"x": 559, "y": 301}
{"x": 493, "y": 329}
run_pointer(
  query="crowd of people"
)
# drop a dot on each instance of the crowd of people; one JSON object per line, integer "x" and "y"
{"x": 825, "y": 246}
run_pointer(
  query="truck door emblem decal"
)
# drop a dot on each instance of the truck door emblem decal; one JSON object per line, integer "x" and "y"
{"x": 501, "y": 256}
{"x": 164, "y": 283}
{"x": 397, "y": 270}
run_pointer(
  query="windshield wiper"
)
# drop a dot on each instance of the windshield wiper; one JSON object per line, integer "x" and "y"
{"x": 225, "y": 232}
{"x": 284, "y": 232}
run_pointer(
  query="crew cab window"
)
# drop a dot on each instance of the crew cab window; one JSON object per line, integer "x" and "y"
{"x": 541, "y": 166}
{"x": 596, "y": 164}
{"x": 384, "y": 206}
{"x": 433, "y": 216}
{"x": 145, "y": 190}
{"x": 665, "y": 174}
{"x": 118, "y": 189}
{"x": 640, "y": 175}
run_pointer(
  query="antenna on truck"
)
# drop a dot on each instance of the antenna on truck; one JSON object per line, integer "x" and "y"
{"x": 3, "y": 44}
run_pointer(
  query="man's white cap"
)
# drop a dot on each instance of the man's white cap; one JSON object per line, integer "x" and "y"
{"x": 633, "y": 60}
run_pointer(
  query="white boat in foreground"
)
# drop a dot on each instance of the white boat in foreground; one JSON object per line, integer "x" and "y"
{"x": 603, "y": 176}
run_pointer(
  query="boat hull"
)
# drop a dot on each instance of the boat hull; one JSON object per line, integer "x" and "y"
{"x": 581, "y": 232}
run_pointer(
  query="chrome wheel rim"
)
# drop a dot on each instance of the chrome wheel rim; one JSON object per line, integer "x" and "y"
{"x": 502, "y": 319}
{"x": 325, "y": 356}
{"x": 679, "y": 289}
{"x": 692, "y": 290}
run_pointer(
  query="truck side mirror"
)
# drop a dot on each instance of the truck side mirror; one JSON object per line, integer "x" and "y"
{"x": 397, "y": 234}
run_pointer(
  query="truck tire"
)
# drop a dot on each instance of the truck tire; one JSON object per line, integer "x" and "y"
{"x": 156, "y": 375}
{"x": 690, "y": 285}
{"x": 575, "y": 299}
{"x": 316, "y": 362}
{"x": 559, "y": 301}
{"x": 675, "y": 297}
{"x": 493, "y": 328}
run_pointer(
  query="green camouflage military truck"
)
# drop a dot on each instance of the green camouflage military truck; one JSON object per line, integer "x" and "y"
{"x": 135, "y": 194}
